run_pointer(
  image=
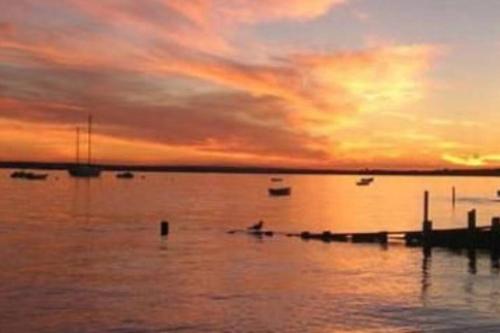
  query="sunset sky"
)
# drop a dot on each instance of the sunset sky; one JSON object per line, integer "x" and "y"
{"x": 310, "y": 83}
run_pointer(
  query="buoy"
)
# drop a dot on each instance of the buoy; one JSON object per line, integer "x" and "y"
{"x": 164, "y": 228}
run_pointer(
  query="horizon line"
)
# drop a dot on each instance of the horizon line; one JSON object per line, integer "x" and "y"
{"x": 253, "y": 169}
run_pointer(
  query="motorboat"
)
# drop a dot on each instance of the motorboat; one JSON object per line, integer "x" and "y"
{"x": 365, "y": 181}
{"x": 280, "y": 191}
{"x": 28, "y": 175}
{"x": 125, "y": 175}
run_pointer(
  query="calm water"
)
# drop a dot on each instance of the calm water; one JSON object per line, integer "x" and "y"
{"x": 86, "y": 256}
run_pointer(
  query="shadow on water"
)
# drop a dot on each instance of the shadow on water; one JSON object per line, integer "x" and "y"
{"x": 495, "y": 264}
{"x": 472, "y": 256}
{"x": 426, "y": 267}
{"x": 82, "y": 200}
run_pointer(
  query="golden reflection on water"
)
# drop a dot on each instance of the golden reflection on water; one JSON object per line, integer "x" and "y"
{"x": 87, "y": 255}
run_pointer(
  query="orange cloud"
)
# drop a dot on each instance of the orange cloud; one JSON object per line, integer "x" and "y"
{"x": 124, "y": 59}
{"x": 472, "y": 161}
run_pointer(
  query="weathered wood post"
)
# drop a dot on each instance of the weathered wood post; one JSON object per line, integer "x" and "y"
{"x": 164, "y": 228}
{"x": 426, "y": 224}
{"x": 383, "y": 237}
{"x": 426, "y": 206}
{"x": 471, "y": 228}
{"x": 453, "y": 196}
{"x": 495, "y": 238}
{"x": 471, "y": 241}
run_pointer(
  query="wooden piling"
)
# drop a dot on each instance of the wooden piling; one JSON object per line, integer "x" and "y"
{"x": 305, "y": 235}
{"x": 383, "y": 237}
{"x": 164, "y": 227}
{"x": 453, "y": 196}
{"x": 471, "y": 228}
{"x": 426, "y": 206}
{"x": 495, "y": 236}
{"x": 426, "y": 224}
{"x": 326, "y": 236}
{"x": 427, "y": 233}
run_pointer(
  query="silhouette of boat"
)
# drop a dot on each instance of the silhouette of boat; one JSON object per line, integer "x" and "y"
{"x": 280, "y": 191}
{"x": 125, "y": 175}
{"x": 18, "y": 174}
{"x": 84, "y": 170}
{"x": 365, "y": 181}
{"x": 28, "y": 175}
{"x": 36, "y": 176}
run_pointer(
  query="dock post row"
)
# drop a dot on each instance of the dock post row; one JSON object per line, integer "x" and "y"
{"x": 469, "y": 237}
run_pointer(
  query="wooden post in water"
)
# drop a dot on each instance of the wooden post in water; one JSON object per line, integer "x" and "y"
{"x": 426, "y": 206}
{"x": 471, "y": 241}
{"x": 383, "y": 237}
{"x": 453, "y": 196}
{"x": 164, "y": 228}
{"x": 495, "y": 236}
{"x": 426, "y": 224}
{"x": 471, "y": 228}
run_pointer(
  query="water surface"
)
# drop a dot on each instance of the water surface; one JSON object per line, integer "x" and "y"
{"x": 86, "y": 256}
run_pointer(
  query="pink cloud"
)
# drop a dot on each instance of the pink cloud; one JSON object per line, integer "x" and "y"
{"x": 121, "y": 59}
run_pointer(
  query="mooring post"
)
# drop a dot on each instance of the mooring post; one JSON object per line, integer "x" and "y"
{"x": 164, "y": 228}
{"x": 471, "y": 227}
{"x": 471, "y": 235}
{"x": 383, "y": 237}
{"x": 495, "y": 236}
{"x": 427, "y": 232}
{"x": 453, "y": 196}
{"x": 426, "y": 206}
{"x": 426, "y": 224}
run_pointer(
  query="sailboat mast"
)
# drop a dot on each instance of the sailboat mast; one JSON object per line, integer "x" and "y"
{"x": 77, "y": 145}
{"x": 89, "y": 143}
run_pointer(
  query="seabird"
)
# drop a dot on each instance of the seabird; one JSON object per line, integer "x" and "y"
{"x": 257, "y": 226}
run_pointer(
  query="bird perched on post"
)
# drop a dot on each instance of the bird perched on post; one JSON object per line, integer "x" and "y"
{"x": 257, "y": 226}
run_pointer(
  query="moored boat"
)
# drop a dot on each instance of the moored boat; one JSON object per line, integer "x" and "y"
{"x": 365, "y": 181}
{"x": 36, "y": 176}
{"x": 280, "y": 191}
{"x": 125, "y": 175}
{"x": 18, "y": 174}
{"x": 28, "y": 175}
{"x": 84, "y": 170}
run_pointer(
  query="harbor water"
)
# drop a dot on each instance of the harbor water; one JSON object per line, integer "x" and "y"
{"x": 83, "y": 255}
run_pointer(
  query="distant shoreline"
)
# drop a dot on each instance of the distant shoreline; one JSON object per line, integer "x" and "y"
{"x": 255, "y": 169}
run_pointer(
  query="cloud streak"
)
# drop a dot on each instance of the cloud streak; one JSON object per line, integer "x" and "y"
{"x": 170, "y": 73}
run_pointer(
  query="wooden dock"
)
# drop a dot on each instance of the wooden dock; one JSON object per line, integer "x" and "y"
{"x": 469, "y": 237}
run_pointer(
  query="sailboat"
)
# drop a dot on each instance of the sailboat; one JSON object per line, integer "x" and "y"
{"x": 84, "y": 170}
